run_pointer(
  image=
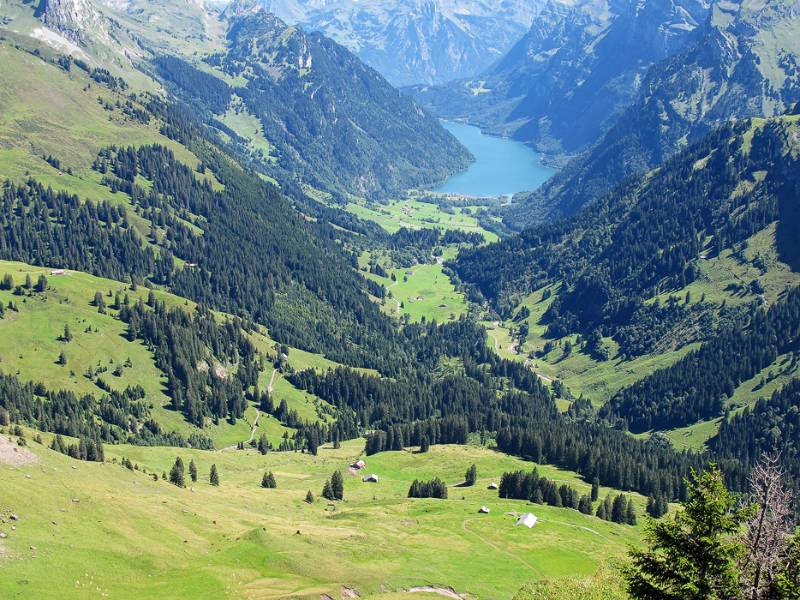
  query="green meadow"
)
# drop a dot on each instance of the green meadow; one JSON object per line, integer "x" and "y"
{"x": 100, "y": 530}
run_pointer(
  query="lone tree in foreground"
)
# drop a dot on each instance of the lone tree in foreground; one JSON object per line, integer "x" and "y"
{"x": 337, "y": 485}
{"x": 176, "y": 473}
{"x": 214, "y": 475}
{"x": 767, "y": 532}
{"x": 693, "y": 555}
{"x": 193, "y": 470}
{"x": 309, "y": 497}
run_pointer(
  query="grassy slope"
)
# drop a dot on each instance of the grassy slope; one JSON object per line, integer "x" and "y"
{"x": 29, "y": 347}
{"x": 757, "y": 260}
{"x": 414, "y": 214}
{"x": 241, "y": 541}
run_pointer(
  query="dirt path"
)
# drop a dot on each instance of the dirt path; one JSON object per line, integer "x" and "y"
{"x": 436, "y": 589}
{"x": 254, "y": 427}
{"x": 498, "y": 549}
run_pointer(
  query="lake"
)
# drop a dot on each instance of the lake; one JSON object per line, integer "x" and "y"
{"x": 502, "y": 166}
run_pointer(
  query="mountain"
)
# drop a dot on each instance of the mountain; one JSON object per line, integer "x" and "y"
{"x": 418, "y": 41}
{"x": 578, "y": 67}
{"x": 284, "y": 101}
{"x": 742, "y": 64}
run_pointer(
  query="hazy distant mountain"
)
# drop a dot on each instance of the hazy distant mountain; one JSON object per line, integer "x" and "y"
{"x": 417, "y": 41}
{"x": 300, "y": 106}
{"x": 743, "y": 62}
{"x": 580, "y": 64}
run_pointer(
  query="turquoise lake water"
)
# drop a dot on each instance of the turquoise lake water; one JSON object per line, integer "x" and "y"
{"x": 502, "y": 166}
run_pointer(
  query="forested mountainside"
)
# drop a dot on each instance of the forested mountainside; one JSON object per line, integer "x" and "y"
{"x": 627, "y": 270}
{"x": 284, "y": 101}
{"x": 424, "y": 41}
{"x": 578, "y": 68}
{"x": 741, "y": 63}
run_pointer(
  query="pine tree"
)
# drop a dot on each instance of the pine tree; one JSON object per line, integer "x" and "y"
{"x": 693, "y": 555}
{"x": 595, "y": 489}
{"x": 62, "y": 359}
{"x": 67, "y": 335}
{"x": 309, "y": 497}
{"x": 41, "y": 284}
{"x": 268, "y": 481}
{"x": 424, "y": 444}
{"x": 585, "y": 504}
{"x": 618, "y": 509}
{"x": 193, "y": 470}
{"x": 337, "y": 485}
{"x": 176, "y": 474}
{"x": 263, "y": 444}
{"x": 327, "y": 491}
{"x": 471, "y": 476}
{"x": 214, "y": 475}
{"x": 630, "y": 513}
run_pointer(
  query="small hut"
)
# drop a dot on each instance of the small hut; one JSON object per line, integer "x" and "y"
{"x": 484, "y": 510}
{"x": 370, "y": 478}
{"x": 527, "y": 519}
{"x": 358, "y": 465}
{"x": 493, "y": 486}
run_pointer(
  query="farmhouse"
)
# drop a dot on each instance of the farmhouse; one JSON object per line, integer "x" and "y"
{"x": 370, "y": 478}
{"x": 358, "y": 465}
{"x": 527, "y": 519}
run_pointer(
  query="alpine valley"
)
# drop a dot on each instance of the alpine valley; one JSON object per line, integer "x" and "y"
{"x": 247, "y": 350}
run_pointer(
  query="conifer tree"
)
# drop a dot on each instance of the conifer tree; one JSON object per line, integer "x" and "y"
{"x": 618, "y": 509}
{"x": 630, "y": 513}
{"x": 214, "y": 475}
{"x": 263, "y": 444}
{"x": 693, "y": 555}
{"x": 327, "y": 491}
{"x": 176, "y": 474}
{"x": 424, "y": 444}
{"x": 595, "y": 488}
{"x": 337, "y": 485}
{"x": 471, "y": 476}
{"x": 268, "y": 481}
{"x": 309, "y": 497}
{"x": 193, "y": 470}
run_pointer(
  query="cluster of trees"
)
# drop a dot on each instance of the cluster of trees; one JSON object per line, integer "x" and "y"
{"x": 534, "y": 488}
{"x": 48, "y": 228}
{"x": 210, "y": 366}
{"x": 594, "y": 450}
{"x": 85, "y": 449}
{"x": 772, "y": 425}
{"x": 435, "y": 488}
{"x": 619, "y": 510}
{"x": 114, "y": 417}
{"x": 268, "y": 481}
{"x": 697, "y": 386}
{"x": 334, "y": 487}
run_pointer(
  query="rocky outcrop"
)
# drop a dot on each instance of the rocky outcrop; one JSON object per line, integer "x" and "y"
{"x": 76, "y": 20}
